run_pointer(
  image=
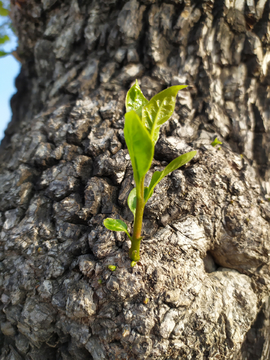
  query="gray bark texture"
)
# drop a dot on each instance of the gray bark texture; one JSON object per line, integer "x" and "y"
{"x": 201, "y": 289}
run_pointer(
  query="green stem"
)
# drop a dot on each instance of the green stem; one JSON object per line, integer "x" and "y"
{"x": 134, "y": 251}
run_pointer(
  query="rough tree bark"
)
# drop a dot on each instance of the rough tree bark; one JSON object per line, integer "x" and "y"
{"x": 201, "y": 288}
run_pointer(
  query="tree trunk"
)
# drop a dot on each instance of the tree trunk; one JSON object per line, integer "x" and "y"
{"x": 201, "y": 288}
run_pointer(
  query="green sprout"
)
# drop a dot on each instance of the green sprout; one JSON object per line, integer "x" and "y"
{"x": 216, "y": 142}
{"x": 142, "y": 124}
{"x": 112, "y": 267}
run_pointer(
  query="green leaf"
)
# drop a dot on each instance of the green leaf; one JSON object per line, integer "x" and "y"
{"x": 178, "y": 162}
{"x": 159, "y": 109}
{"x": 140, "y": 146}
{"x": 135, "y": 99}
{"x": 132, "y": 201}
{"x": 156, "y": 178}
{"x": 112, "y": 267}
{"x": 4, "y": 39}
{"x": 216, "y": 142}
{"x": 3, "y": 11}
{"x": 3, "y": 53}
{"x": 173, "y": 165}
{"x": 146, "y": 191}
{"x": 116, "y": 225}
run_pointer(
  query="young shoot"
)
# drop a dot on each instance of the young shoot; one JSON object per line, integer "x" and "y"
{"x": 142, "y": 124}
{"x": 216, "y": 142}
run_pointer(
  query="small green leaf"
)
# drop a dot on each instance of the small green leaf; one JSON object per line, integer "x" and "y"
{"x": 135, "y": 99}
{"x": 216, "y": 142}
{"x": 132, "y": 201}
{"x": 178, "y": 162}
{"x": 159, "y": 109}
{"x": 146, "y": 191}
{"x": 140, "y": 146}
{"x": 112, "y": 267}
{"x": 133, "y": 263}
{"x": 3, "y": 11}
{"x": 173, "y": 165}
{"x": 116, "y": 225}
{"x": 4, "y": 39}
{"x": 3, "y": 53}
{"x": 156, "y": 178}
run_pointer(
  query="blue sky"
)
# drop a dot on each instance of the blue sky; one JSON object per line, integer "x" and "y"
{"x": 9, "y": 69}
